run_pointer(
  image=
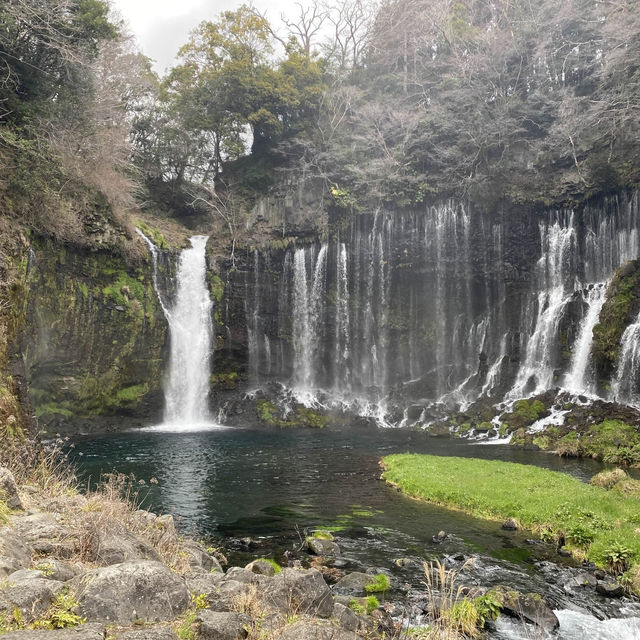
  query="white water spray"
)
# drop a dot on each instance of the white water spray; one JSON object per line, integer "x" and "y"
{"x": 576, "y": 378}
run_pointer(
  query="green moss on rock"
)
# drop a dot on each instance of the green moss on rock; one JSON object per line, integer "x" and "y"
{"x": 620, "y": 308}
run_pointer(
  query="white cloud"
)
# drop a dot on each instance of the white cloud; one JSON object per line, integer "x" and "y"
{"x": 163, "y": 26}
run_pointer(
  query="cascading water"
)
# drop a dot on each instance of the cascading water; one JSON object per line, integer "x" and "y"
{"x": 576, "y": 379}
{"x": 189, "y": 318}
{"x": 626, "y": 386}
{"x": 443, "y": 305}
{"x": 553, "y": 270}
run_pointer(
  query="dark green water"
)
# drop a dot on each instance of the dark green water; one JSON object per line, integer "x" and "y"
{"x": 269, "y": 484}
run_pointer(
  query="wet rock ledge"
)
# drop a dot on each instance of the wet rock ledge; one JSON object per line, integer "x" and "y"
{"x": 76, "y": 567}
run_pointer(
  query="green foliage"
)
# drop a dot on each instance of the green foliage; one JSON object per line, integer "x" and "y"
{"x": 125, "y": 291}
{"x": 60, "y": 614}
{"x": 269, "y": 413}
{"x": 364, "y": 606}
{"x": 618, "y": 311}
{"x": 185, "y": 627}
{"x": 542, "y": 500}
{"x": 155, "y": 235}
{"x": 216, "y": 287}
{"x": 11, "y": 621}
{"x": 225, "y": 380}
{"x": 379, "y": 584}
{"x": 323, "y": 534}
{"x": 464, "y": 618}
{"x": 276, "y": 567}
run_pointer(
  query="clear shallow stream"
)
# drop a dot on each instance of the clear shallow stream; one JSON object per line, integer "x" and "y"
{"x": 234, "y": 483}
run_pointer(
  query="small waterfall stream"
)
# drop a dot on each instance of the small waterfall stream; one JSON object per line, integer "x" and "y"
{"x": 625, "y": 387}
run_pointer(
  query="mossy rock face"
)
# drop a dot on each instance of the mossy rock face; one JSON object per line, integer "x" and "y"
{"x": 96, "y": 338}
{"x": 524, "y": 413}
{"x": 620, "y": 309}
{"x": 270, "y": 414}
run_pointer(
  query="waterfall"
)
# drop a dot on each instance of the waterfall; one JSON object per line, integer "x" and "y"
{"x": 625, "y": 387}
{"x": 189, "y": 319}
{"x": 440, "y": 305}
{"x": 187, "y": 388}
{"x": 576, "y": 378}
{"x": 552, "y": 272}
{"x": 302, "y": 338}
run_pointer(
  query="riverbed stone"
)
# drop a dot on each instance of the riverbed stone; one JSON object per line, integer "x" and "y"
{"x": 55, "y": 569}
{"x": 610, "y": 589}
{"x": 9, "y": 490}
{"x": 300, "y": 591}
{"x": 353, "y": 584}
{"x": 124, "y": 593}
{"x": 90, "y": 631}
{"x": 321, "y": 547}
{"x": 510, "y": 524}
{"x": 215, "y": 625}
{"x": 530, "y": 607}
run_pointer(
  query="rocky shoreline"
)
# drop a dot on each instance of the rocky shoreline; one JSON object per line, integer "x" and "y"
{"x": 93, "y": 566}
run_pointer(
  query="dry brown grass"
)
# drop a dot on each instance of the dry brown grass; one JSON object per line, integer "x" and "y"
{"x": 606, "y": 479}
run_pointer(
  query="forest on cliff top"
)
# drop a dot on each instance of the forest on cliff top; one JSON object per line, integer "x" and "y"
{"x": 387, "y": 102}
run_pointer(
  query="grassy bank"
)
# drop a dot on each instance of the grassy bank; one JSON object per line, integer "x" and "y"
{"x": 601, "y": 524}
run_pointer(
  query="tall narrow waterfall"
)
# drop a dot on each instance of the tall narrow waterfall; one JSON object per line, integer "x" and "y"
{"x": 189, "y": 319}
{"x": 187, "y": 385}
{"x": 577, "y": 378}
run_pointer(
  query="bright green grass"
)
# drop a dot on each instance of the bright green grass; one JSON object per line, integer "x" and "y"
{"x": 551, "y": 503}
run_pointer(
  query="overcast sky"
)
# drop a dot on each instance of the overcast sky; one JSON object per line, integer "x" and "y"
{"x": 162, "y": 26}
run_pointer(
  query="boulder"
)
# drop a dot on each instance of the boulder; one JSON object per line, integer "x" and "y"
{"x": 306, "y": 630}
{"x": 13, "y": 548}
{"x": 150, "y": 633}
{"x": 30, "y": 592}
{"x": 9, "y": 489}
{"x": 55, "y": 569}
{"x": 46, "y": 536}
{"x": 530, "y": 607}
{"x": 115, "y": 544}
{"x": 300, "y": 591}
{"x": 216, "y": 625}
{"x": 242, "y": 575}
{"x": 9, "y": 566}
{"x": 144, "y": 590}
{"x": 83, "y": 632}
{"x": 198, "y": 557}
{"x": 262, "y": 567}
{"x": 353, "y": 584}
{"x": 321, "y": 547}
{"x": 345, "y": 617}
{"x": 222, "y": 599}
{"x": 580, "y": 581}
{"x": 610, "y": 589}
{"x": 205, "y": 583}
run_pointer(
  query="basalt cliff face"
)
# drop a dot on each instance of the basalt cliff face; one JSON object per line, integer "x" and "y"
{"x": 383, "y": 313}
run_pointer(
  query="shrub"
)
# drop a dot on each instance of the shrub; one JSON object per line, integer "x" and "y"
{"x": 379, "y": 584}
